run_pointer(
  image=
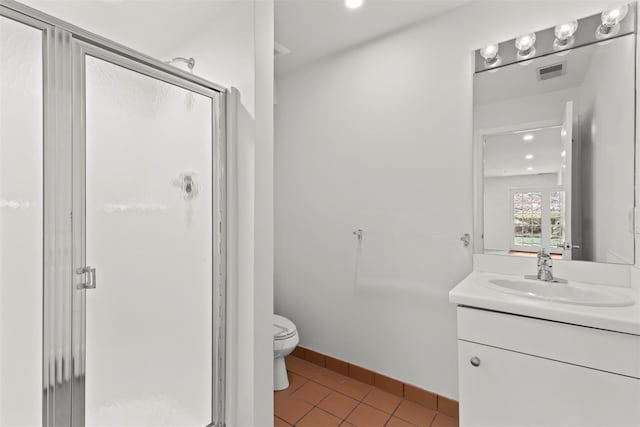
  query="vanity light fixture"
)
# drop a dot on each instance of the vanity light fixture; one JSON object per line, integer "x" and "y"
{"x": 353, "y": 4}
{"x": 528, "y": 137}
{"x": 526, "y": 45}
{"x": 529, "y": 156}
{"x": 611, "y": 21}
{"x": 490, "y": 55}
{"x": 559, "y": 40}
{"x": 564, "y": 35}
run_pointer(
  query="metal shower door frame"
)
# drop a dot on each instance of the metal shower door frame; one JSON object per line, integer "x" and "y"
{"x": 81, "y": 50}
{"x": 64, "y": 50}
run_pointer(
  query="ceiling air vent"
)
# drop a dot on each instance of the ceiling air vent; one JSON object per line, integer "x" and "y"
{"x": 551, "y": 71}
{"x": 279, "y": 50}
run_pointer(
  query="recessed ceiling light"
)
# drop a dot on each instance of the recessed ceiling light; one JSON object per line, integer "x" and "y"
{"x": 529, "y": 168}
{"x": 353, "y": 4}
{"x": 527, "y": 137}
{"x": 529, "y": 156}
{"x": 564, "y": 153}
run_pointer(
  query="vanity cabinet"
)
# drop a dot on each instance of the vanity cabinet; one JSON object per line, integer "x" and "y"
{"x": 522, "y": 371}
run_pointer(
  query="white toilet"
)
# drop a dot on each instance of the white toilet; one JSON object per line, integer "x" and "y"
{"x": 285, "y": 339}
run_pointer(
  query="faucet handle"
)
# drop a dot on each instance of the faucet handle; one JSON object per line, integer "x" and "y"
{"x": 543, "y": 257}
{"x": 543, "y": 254}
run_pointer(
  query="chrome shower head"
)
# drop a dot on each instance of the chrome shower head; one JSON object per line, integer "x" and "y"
{"x": 190, "y": 62}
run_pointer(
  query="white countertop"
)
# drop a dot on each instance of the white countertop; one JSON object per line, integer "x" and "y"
{"x": 473, "y": 292}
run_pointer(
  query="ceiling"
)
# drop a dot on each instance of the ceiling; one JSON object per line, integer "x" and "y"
{"x": 153, "y": 27}
{"x": 313, "y": 29}
{"x": 505, "y": 154}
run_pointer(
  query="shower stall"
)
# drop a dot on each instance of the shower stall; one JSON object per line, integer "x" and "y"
{"x": 112, "y": 222}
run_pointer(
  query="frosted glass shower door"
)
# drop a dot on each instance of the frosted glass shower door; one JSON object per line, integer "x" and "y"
{"x": 148, "y": 210}
{"x": 21, "y": 223}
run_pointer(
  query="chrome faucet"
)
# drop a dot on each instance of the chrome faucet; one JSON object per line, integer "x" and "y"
{"x": 545, "y": 266}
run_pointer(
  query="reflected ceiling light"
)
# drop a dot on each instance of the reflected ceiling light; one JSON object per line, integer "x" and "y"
{"x": 611, "y": 21}
{"x": 563, "y": 132}
{"x": 353, "y": 4}
{"x": 529, "y": 156}
{"x": 529, "y": 168}
{"x": 490, "y": 55}
{"x": 527, "y": 137}
{"x": 526, "y": 45}
{"x": 564, "y": 35}
{"x": 564, "y": 153}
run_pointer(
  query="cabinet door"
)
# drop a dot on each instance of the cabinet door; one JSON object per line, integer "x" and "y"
{"x": 516, "y": 389}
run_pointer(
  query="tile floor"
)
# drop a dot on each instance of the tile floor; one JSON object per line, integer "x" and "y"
{"x": 318, "y": 397}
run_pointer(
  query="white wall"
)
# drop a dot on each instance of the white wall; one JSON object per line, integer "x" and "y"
{"x": 498, "y": 223}
{"x": 607, "y": 112}
{"x": 379, "y": 137}
{"x": 264, "y": 233}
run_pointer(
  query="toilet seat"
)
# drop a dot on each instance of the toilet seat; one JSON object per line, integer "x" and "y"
{"x": 283, "y": 328}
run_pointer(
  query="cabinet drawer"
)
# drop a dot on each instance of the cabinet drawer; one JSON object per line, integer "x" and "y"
{"x": 594, "y": 348}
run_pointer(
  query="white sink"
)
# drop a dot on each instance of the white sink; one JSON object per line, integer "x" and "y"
{"x": 568, "y": 293}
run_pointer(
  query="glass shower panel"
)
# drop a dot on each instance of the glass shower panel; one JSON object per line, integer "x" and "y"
{"x": 21, "y": 230}
{"x": 149, "y": 234}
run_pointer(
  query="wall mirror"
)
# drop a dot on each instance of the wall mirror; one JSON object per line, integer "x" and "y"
{"x": 554, "y": 144}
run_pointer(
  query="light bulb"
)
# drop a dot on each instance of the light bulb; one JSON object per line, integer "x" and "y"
{"x": 525, "y": 45}
{"x": 353, "y": 4}
{"x": 564, "y": 35}
{"x": 564, "y": 31}
{"x": 490, "y": 55}
{"x": 614, "y": 16}
{"x": 611, "y": 21}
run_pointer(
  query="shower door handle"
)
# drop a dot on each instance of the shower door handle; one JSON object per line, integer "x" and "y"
{"x": 90, "y": 273}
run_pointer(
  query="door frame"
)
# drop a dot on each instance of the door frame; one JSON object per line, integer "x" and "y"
{"x": 479, "y": 136}
{"x": 64, "y": 49}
